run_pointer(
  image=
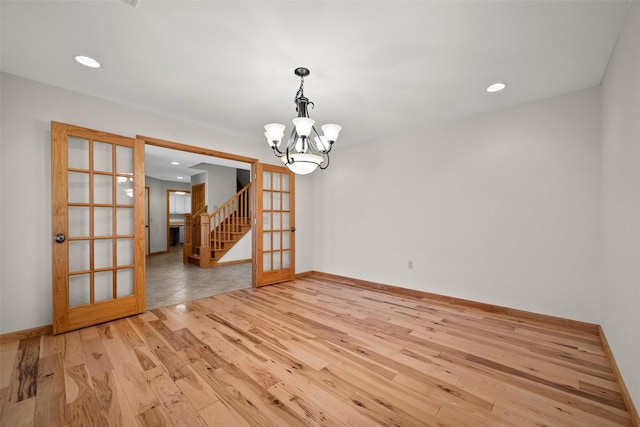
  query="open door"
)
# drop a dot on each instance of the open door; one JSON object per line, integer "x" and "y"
{"x": 274, "y": 229}
{"x": 98, "y": 224}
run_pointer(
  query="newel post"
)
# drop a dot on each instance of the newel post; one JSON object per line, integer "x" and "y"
{"x": 187, "y": 249}
{"x": 205, "y": 239}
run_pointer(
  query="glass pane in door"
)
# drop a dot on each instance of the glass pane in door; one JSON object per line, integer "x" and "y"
{"x": 100, "y": 223}
{"x": 79, "y": 290}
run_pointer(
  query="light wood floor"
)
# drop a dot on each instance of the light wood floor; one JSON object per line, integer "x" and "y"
{"x": 311, "y": 352}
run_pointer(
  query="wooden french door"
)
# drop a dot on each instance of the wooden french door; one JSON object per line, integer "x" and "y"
{"x": 275, "y": 224}
{"x": 98, "y": 214}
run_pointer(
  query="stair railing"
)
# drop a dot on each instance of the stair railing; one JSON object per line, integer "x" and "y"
{"x": 230, "y": 218}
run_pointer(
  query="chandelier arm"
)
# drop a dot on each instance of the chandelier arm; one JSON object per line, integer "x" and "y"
{"x": 313, "y": 128}
{"x": 289, "y": 159}
{"x": 325, "y": 162}
{"x": 330, "y": 147}
{"x": 276, "y": 151}
{"x": 293, "y": 137}
{"x": 317, "y": 148}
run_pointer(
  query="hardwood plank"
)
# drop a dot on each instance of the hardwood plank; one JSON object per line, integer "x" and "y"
{"x": 131, "y": 378}
{"x": 256, "y": 405}
{"x": 158, "y": 416}
{"x": 197, "y": 391}
{"x": 8, "y": 353}
{"x": 24, "y": 378}
{"x": 19, "y": 414}
{"x": 219, "y": 414}
{"x": 73, "y": 353}
{"x": 112, "y": 400}
{"x": 385, "y": 414}
{"x": 96, "y": 356}
{"x": 51, "y": 405}
{"x": 51, "y": 344}
{"x": 315, "y": 406}
{"x": 127, "y": 334}
{"x": 180, "y": 411}
{"x": 315, "y": 352}
{"x": 4, "y": 392}
{"x": 84, "y": 409}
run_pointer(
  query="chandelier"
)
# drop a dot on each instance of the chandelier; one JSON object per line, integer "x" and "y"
{"x": 306, "y": 149}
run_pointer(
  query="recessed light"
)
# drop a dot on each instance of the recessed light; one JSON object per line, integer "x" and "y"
{"x": 87, "y": 61}
{"x": 179, "y": 177}
{"x": 175, "y": 163}
{"x": 496, "y": 87}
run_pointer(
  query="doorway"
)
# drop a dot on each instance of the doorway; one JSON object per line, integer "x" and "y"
{"x": 178, "y": 203}
{"x": 169, "y": 280}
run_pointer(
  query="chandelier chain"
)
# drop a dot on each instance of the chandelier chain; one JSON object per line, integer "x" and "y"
{"x": 300, "y": 91}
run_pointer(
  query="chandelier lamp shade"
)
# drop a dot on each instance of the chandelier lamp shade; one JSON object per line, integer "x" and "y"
{"x": 306, "y": 149}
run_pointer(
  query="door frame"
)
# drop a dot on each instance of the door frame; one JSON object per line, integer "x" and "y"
{"x": 168, "y": 214}
{"x": 214, "y": 153}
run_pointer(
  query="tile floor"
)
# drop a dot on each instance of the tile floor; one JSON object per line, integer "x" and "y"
{"x": 170, "y": 282}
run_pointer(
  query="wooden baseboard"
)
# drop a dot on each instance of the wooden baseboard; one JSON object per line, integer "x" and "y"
{"x": 26, "y": 333}
{"x": 585, "y": 327}
{"x": 240, "y": 261}
{"x": 631, "y": 408}
{"x": 158, "y": 253}
{"x": 304, "y": 274}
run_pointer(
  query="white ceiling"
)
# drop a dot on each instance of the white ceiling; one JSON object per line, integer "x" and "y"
{"x": 376, "y": 66}
{"x": 158, "y": 163}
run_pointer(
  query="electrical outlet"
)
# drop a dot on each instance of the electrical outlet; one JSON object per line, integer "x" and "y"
{"x": 410, "y": 265}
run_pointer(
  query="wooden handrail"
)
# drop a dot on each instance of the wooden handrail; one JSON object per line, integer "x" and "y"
{"x": 201, "y": 210}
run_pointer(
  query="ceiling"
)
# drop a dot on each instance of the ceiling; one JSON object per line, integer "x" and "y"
{"x": 159, "y": 163}
{"x": 377, "y": 67}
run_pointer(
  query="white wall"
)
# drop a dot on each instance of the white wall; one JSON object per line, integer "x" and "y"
{"x": 621, "y": 203}
{"x": 221, "y": 185}
{"x": 502, "y": 208}
{"x": 240, "y": 251}
{"x": 200, "y": 178}
{"x": 28, "y": 108}
{"x": 157, "y": 222}
{"x": 158, "y": 210}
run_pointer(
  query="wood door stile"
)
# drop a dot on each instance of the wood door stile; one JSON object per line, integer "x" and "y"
{"x": 318, "y": 352}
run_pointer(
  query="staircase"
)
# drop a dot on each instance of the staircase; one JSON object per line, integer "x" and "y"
{"x": 208, "y": 237}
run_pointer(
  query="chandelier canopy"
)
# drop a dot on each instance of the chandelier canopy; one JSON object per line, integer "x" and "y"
{"x": 306, "y": 149}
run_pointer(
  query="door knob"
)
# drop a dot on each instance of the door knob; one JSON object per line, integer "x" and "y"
{"x": 293, "y": 229}
{"x": 60, "y": 238}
